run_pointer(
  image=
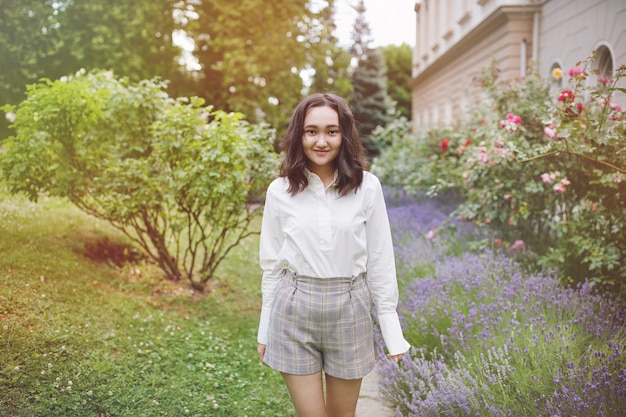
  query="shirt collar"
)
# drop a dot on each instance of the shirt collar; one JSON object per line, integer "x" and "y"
{"x": 311, "y": 175}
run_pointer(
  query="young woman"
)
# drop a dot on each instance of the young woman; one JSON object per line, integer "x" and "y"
{"x": 326, "y": 254}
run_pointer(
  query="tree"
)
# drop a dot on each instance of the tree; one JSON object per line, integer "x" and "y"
{"x": 399, "y": 61}
{"x": 25, "y": 39}
{"x": 178, "y": 186}
{"x": 251, "y": 53}
{"x": 50, "y": 39}
{"x": 330, "y": 63}
{"x": 370, "y": 103}
{"x": 361, "y": 33}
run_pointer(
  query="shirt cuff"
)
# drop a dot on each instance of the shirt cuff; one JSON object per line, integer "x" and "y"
{"x": 392, "y": 333}
{"x": 264, "y": 325}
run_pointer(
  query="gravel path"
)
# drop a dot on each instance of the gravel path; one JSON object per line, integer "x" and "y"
{"x": 371, "y": 404}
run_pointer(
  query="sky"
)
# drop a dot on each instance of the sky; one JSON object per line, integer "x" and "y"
{"x": 392, "y": 22}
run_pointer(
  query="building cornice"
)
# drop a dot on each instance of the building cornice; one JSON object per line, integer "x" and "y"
{"x": 496, "y": 19}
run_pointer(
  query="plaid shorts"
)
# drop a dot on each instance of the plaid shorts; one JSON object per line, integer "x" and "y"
{"x": 321, "y": 323}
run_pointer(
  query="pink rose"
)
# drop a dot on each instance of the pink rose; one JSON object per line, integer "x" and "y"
{"x": 549, "y": 132}
{"x": 518, "y": 244}
{"x": 575, "y": 71}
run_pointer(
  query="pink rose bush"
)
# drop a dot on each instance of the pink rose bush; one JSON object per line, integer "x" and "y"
{"x": 535, "y": 158}
{"x": 511, "y": 123}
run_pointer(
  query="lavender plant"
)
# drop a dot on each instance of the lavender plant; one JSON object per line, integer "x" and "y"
{"x": 424, "y": 230}
{"x": 489, "y": 339}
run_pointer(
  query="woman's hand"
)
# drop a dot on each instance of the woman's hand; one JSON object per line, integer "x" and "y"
{"x": 261, "y": 350}
{"x": 396, "y": 358}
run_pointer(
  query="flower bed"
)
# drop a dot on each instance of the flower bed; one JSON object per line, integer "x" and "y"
{"x": 491, "y": 340}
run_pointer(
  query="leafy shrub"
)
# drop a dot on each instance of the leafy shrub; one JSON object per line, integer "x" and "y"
{"x": 541, "y": 168}
{"x": 177, "y": 178}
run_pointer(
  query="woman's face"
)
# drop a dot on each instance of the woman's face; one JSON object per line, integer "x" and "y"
{"x": 321, "y": 138}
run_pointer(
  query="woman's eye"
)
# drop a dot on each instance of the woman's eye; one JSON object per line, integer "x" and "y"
{"x": 333, "y": 132}
{"x": 309, "y": 132}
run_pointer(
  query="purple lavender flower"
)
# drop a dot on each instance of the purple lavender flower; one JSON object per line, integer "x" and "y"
{"x": 490, "y": 339}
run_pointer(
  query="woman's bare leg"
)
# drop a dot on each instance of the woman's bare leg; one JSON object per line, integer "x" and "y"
{"x": 341, "y": 396}
{"x": 307, "y": 394}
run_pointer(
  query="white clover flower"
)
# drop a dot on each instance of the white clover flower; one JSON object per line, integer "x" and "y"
{"x": 10, "y": 116}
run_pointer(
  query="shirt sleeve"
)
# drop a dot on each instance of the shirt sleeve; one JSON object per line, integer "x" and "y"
{"x": 271, "y": 241}
{"x": 381, "y": 272}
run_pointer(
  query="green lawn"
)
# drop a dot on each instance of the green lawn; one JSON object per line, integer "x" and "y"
{"x": 82, "y": 336}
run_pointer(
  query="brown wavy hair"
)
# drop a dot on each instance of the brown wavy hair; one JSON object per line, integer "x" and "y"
{"x": 350, "y": 161}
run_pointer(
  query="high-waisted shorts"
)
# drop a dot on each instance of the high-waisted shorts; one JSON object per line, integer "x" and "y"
{"x": 321, "y": 324}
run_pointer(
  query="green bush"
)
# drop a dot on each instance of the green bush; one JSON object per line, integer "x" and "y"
{"x": 176, "y": 177}
{"x": 542, "y": 168}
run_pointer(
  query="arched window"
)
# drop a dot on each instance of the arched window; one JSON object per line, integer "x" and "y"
{"x": 604, "y": 63}
{"x": 556, "y": 74}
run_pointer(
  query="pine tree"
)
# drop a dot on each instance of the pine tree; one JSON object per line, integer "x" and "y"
{"x": 370, "y": 103}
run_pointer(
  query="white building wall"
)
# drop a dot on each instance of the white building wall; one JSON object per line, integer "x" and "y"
{"x": 572, "y": 29}
{"x": 548, "y": 32}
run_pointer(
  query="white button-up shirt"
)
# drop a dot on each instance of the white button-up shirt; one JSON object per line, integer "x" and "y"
{"x": 318, "y": 233}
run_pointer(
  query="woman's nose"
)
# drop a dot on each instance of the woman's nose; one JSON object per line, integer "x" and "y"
{"x": 321, "y": 140}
